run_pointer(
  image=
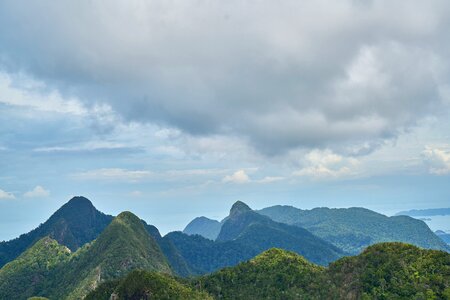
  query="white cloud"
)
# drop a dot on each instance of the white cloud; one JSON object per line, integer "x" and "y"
{"x": 239, "y": 176}
{"x": 113, "y": 174}
{"x": 33, "y": 94}
{"x": 270, "y": 179}
{"x": 6, "y": 195}
{"x": 320, "y": 164}
{"x": 89, "y": 146}
{"x": 37, "y": 192}
{"x": 437, "y": 160}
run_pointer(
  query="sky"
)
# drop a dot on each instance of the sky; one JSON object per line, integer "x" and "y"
{"x": 176, "y": 109}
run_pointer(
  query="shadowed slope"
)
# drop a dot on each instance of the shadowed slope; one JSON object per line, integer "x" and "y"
{"x": 76, "y": 223}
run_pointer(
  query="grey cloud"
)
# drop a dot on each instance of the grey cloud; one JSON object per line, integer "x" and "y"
{"x": 281, "y": 75}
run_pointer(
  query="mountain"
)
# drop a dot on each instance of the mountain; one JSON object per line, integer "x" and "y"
{"x": 274, "y": 274}
{"x": 123, "y": 246}
{"x": 443, "y": 236}
{"x": 146, "y": 285}
{"x": 248, "y": 227}
{"x": 27, "y": 275}
{"x": 353, "y": 229}
{"x": 244, "y": 234}
{"x": 382, "y": 271}
{"x": 174, "y": 258}
{"x": 203, "y": 255}
{"x": 425, "y": 212}
{"x": 76, "y": 223}
{"x": 203, "y": 226}
{"x": 392, "y": 271}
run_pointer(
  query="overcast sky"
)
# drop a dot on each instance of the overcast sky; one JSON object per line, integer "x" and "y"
{"x": 176, "y": 109}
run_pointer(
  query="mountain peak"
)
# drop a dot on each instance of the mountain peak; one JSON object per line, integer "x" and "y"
{"x": 239, "y": 207}
{"x": 79, "y": 200}
{"x": 127, "y": 217}
{"x": 77, "y": 203}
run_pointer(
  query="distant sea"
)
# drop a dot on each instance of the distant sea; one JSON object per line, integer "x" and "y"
{"x": 436, "y": 222}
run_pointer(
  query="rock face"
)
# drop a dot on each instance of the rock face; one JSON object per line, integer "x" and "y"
{"x": 239, "y": 207}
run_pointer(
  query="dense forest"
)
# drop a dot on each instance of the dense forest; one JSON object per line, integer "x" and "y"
{"x": 383, "y": 271}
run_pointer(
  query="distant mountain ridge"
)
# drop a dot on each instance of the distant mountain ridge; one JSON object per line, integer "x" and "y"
{"x": 244, "y": 234}
{"x": 425, "y": 212}
{"x": 203, "y": 226}
{"x": 353, "y": 229}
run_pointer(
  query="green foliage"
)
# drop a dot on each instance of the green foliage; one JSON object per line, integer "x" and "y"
{"x": 123, "y": 246}
{"x": 353, "y": 229}
{"x": 76, "y": 223}
{"x": 146, "y": 285}
{"x": 393, "y": 271}
{"x": 274, "y": 274}
{"x": 27, "y": 275}
{"x": 383, "y": 271}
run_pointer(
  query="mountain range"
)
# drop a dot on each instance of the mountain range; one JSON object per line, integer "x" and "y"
{"x": 425, "y": 212}
{"x": 79, "y": 250}
{"x": 382, "y": 271}
{"x": 349, "y": 229}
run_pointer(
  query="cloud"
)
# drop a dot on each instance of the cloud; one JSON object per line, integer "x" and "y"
{"x": 297, "y": 74}
{"x": 270, "y": 179}
{"x": 237, "y": 177}
{"x": 32, "y": 94}
{"x": 113, "y": 174}
{"x": 6, "y": 195}
{"x": 325, "y": 164}
{"x": 85, "y": 147}
{"x": 241, "y": 177}
{"x": 437, "y": 160}
{"x": 37, "y": 192}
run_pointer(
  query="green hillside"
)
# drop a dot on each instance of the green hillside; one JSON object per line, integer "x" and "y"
{"x": 392, "y": 271}
{"x": 354, "y": 229}
{"x": 383, "y": 271}
{"x": 28, "y": 274}
{"x": 123, "y": 246}
{"x": 274, "y": 274}
{"x": 76, "y": 223}
{"x": 146, "y": 285}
